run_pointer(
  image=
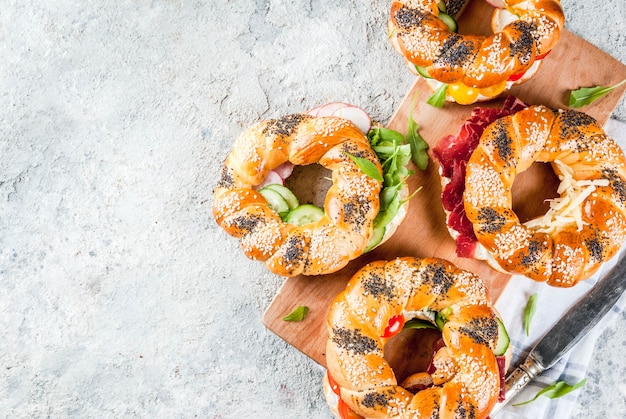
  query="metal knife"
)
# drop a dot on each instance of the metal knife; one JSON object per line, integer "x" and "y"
{"x": 570, "y": 329}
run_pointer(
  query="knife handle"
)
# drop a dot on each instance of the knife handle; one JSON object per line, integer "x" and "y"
{"x": 517, "y": 380}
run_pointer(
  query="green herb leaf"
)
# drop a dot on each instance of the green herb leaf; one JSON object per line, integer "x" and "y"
{"x": 393, "y": 155}
{"x": 419, "y": 324}
{"x": 388, "y": 214}
{"x": 558, "y": 389}
{"x": 379, "y": 135}
{"x": 586, "y": 95}
{"x": 388, "y": 195}
{"x": 438, "y": 99}
{"x": 297, "y": 314}
{"x": 366, "y": 167}
{"x": 417, "y": 143}
{"x": 529, "y": 312}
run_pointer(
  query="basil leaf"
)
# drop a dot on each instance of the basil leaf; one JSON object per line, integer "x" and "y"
{"x": 297, "y": 314}
{"x": 529, "y": 312}
{"x": 586, "y": 95}
{"x": 366, "y": 167}
{"x": 419, "y": 324}
{"x": 558, "y": 389}
{"x": 438, "y": 99}
{"x": 417, "y": 143}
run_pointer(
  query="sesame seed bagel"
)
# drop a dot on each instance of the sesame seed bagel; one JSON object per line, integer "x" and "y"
{"x": 466, "y": 375}
{"x": 350, "y": 206}
{"x": 474, "y": 67}
{"x": 584, "y": 227}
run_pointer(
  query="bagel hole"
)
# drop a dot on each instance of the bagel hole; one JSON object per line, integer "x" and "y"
{"x": 310, "y": 183}
{"x": 532, "y": 189}
{"x": 410, "y": 351}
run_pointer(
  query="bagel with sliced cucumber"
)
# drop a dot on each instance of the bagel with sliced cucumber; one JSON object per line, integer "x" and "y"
{"x": 472, "y": 68}
{"x": 467, "y": 364}
{"x": 362, "y": 208}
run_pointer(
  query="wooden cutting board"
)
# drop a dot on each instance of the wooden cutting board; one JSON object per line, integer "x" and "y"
{"x": 573, "y": 63}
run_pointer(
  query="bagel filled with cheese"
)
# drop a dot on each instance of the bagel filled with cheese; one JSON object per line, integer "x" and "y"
{"x": 585, "y": 221}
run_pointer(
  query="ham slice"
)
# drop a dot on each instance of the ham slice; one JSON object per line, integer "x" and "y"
{"x": 453, "y": 152}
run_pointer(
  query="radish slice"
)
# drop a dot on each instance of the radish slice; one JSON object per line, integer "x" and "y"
{"x": 284, "y": 170}
{"x": 314, "y": 111}
{"x": 498, "y": 4}
{"x": 330, "y": 108}
{"x": 357, "y": 115}
{"x": 272, "y": 177}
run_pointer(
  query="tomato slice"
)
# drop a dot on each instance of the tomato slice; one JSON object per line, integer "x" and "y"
{"x": 462, "y": 94}
{"x": 493, "y": 91}
{"x": 394, "y": 326}
{"x": 542, "y": 56}
{"x": 515, "y": 77}
{"x": 345, "y": 412}
{"x": 518, "y": 76}
{"x": 333, "y": 384}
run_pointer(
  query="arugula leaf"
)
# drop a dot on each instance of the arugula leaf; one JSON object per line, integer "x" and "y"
{"x": 417, "y": 143}
{"x": 419, "y": 324}
{"x": 529, "y": 312}
{"x": 297, "y": 314}
{"x": 366, "y": 167}
{"x": 385, "y": 216}
{"x": 379, "y": 135}
{"x": 388, "y": 195}
{"x": 438, "y": 99}
{"x": 586, "y": 95}
{"x": 558, "y": 389}
{"x": 393, "y": 155}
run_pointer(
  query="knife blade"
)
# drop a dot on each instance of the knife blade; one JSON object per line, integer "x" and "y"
{"x": 575, "y": 324}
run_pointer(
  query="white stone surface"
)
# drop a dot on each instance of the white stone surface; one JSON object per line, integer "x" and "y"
{"x": 120, "y": 297}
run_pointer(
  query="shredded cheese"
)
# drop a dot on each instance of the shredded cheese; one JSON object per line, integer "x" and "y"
{"x": 567, "y": 208}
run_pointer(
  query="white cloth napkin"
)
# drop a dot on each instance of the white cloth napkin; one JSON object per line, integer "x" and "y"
{"x": 551, "y": 304}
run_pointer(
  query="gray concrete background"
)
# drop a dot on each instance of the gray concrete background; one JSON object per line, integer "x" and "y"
{"x": 120, "y": 297}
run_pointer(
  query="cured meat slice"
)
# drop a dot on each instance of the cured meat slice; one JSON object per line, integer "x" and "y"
{"x": 453, "y": 152}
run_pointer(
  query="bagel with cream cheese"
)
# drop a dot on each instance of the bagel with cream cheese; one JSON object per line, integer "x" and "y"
{"x": 365, "y": 204}
{"x": 468, "y": 364}
{"x": 471, "y": 68}
{"x": 583, "y": 227}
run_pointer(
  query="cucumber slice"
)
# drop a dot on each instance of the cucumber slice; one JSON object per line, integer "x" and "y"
{"x": 449, "y": 21}
{"x": 275, "y": 200}
{"x": 503, "y": 339}
{"x": 441, "y": 4}
{"x": 286, "y": 193}
{"x": 377, "y": 237}
{"x": 422, "y": 72}
{"x": 441, "y": 317}
{"x": 304, "y": 214}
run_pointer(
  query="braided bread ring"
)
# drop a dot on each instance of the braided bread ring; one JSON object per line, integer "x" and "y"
{"x": 524, "y": 32}
{"x": 351, "y": 203}
{"x": 413, "y": 287}
{"x": 583, "y": 228}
